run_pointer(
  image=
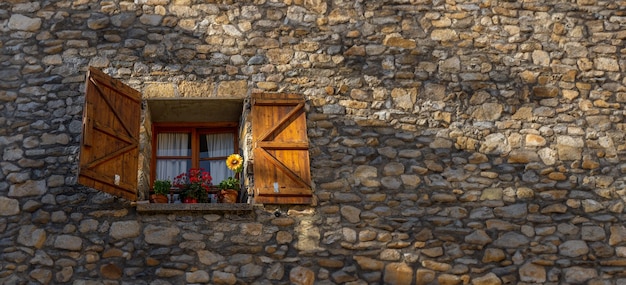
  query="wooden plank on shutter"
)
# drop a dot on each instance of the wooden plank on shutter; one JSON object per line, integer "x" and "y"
{"x": 109, "y": 150}
{"x": 281, "y": 149}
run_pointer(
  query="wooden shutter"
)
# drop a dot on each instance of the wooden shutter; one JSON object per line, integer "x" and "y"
{"x": 281, "y": 149}
{"x": 109, "y": 149}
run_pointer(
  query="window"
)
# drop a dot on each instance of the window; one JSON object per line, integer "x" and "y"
{"x": 193, "y": 133}
{"x": 179, "y": 148}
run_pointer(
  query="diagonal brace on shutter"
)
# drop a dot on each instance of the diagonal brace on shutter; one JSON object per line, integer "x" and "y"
{"x": 110, "y": 156}
{"x": 298, "y": 107}
{"x": 295, "y": 177}
{"x": 110, "y": 105}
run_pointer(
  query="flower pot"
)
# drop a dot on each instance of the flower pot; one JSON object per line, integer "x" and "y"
{"x": 188, "y": 200}
{"x": 158, "y": 198}
{"x": 228, "y": 196}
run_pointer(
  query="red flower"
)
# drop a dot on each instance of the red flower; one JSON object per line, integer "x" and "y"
{"x": 193, "y": 178}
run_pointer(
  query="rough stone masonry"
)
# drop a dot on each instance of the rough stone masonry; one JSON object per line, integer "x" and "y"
{"x": 452, "y": 141}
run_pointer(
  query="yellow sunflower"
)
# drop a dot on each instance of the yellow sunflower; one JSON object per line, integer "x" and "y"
{"x": 234, "y": 162}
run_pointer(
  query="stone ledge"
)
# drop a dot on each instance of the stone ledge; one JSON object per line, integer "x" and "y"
{"x": 200, "y": 207}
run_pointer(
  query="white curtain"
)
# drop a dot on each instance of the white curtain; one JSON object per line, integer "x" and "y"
{"x": 172, "y": 144}
{"x": 219, "y": 145}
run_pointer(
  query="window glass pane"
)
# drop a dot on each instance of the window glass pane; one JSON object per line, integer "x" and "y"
{"x": 217, "y": 169}
{"x": 173, "y": 144}
{"x": 216, "y": 145}
{"x": 170, "y": 168}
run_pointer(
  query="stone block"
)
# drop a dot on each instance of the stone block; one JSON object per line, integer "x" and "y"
{"x": 533, "y": 273}
{"x": 487, "y": 279}
{"x": 68, "y": 242}
{"x": 351, "y": 214}
{"x": 111, "y": 271}
{"x": 19, "y": 22}
{"x": 159, "y": 90}
{"x": 444, "y": 35}
{"x": 424, "y": 276}
{"x": 125, "y": 229}
{"x": 546, "y": 91}
{"x": 301, "y": 276}
{"x": 579, "y": 275}
{"x": 398, "y": 273}
{"x": 188, "y": 89}
{"x": 573, "y": 248}
{"x": 160, "y": 235}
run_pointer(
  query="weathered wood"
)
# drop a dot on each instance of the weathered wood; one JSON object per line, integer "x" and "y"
{"x": 109, "y": 153}
{"x": 281, "y": 150}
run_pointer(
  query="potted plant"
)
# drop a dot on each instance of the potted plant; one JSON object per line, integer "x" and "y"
{"x": 161, "y": 188}
{"x": 229, "y": 190}
{"x": 194, "y": 194}
{"x": 193, "y": 185}
{"x": 229, "y": 187}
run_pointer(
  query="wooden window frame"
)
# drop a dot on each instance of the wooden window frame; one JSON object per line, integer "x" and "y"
{"x": 196, "y": 129}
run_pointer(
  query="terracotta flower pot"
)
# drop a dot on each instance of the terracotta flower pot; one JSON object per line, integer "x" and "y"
{"x": 228, "y": 196}
{"x": 158, "y": 198}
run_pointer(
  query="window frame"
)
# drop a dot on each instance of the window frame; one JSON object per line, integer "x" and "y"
{"x": 196, "y": 129}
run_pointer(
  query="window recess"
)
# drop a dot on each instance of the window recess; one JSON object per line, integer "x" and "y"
{"x": 191, "y": 133}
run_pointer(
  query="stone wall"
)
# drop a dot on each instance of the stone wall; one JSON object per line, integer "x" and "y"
{"x": 453, "y": 142}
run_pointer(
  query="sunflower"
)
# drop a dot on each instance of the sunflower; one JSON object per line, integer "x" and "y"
{"x": 234, "y": 162}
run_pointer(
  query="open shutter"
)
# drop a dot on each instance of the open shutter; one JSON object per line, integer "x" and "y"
{"x": 109, "y": 148}
{"x": 281, "y": 149}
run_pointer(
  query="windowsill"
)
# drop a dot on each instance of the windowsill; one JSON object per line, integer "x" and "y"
{"x": 199, "y": 207}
